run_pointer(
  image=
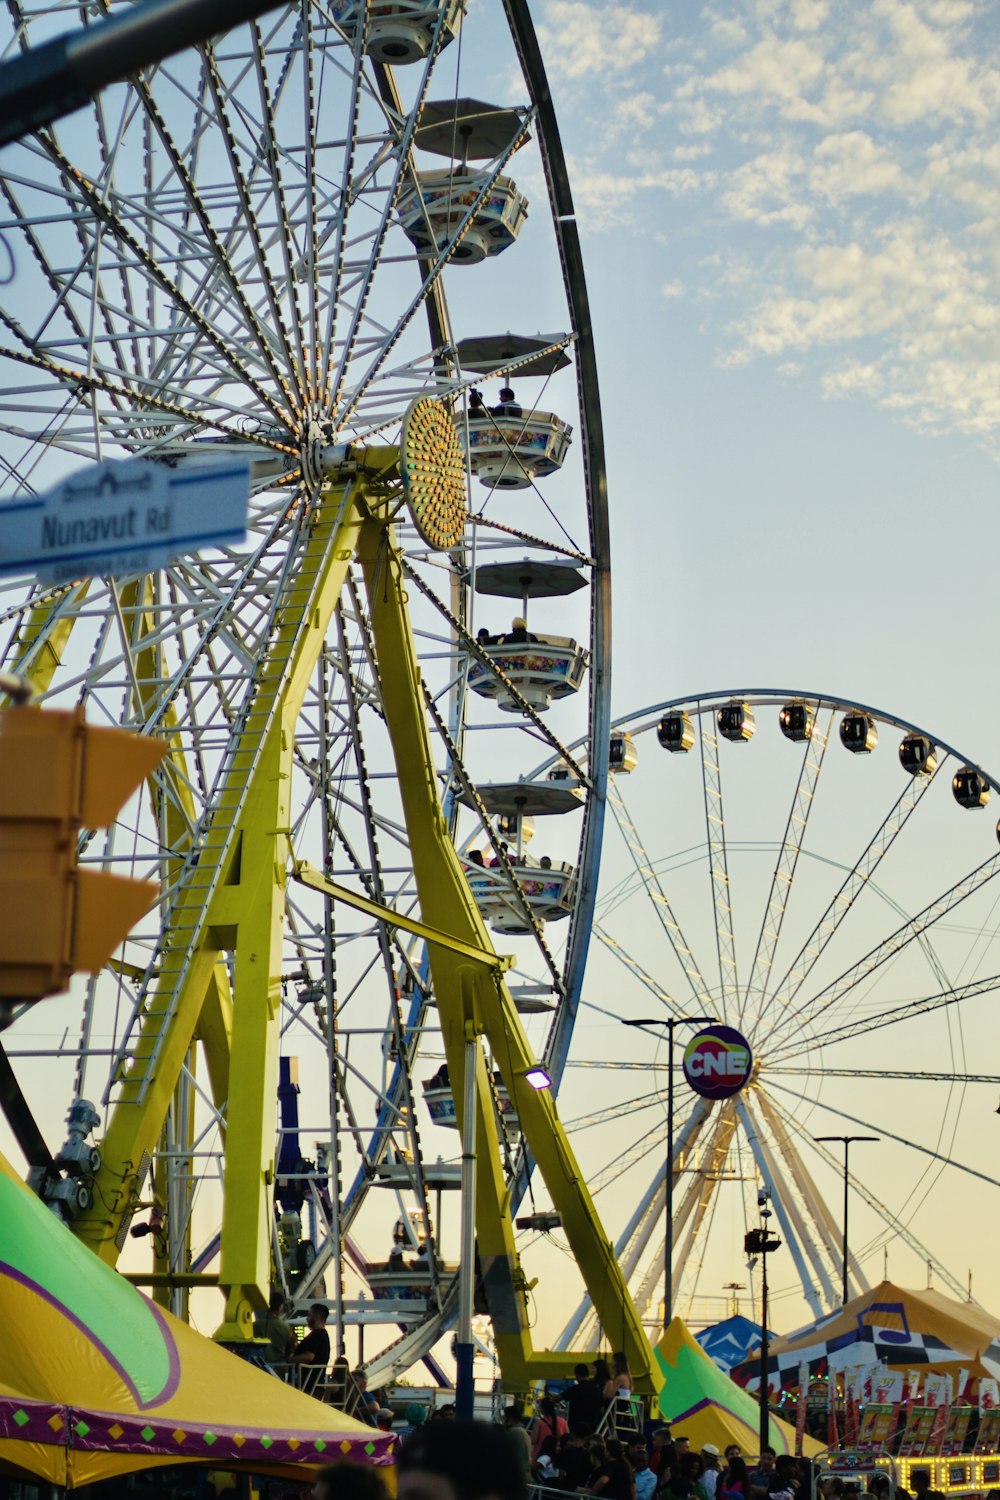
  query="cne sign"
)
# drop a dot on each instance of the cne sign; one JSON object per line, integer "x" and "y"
{"x": 717, "y": 1062}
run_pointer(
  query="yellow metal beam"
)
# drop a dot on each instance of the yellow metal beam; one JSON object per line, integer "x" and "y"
{"x": 306, "y": 874}
{"x": 190, "y": 997}
{"x": 467, "y": 990}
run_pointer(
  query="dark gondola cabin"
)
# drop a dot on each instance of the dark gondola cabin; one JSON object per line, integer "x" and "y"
{"x": 675, "y": 733}
{"x": 797, "y": 720}
{"x": 858, "y": 733}
{"x": 917, "y": 754}
{"x": 970, "y": 788}
{"x": 736, "y": 722}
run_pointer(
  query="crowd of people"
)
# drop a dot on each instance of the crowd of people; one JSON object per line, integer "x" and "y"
{"x": 594, "y": 1441}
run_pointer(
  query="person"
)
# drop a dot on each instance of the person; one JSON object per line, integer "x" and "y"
{"x": 682, "y": 1447}
{"x": 921, "y": 1481}
{"x": 733, "y": 1450}
{"x": 543, "y": 1468}
{"x": 460, "y": 1461}
{"x": 764, "y": 1480}
{"x": 422, "y": 1260}
{"x": 483, "y": 637}
{"x": 663, "y": 1450}
{"x": 278, "y": 1334}
{"x": 733, "y": 1481}
{"x": 508, "y": 406}
{"x": 613, "y": 1480}
{"x": 513, "y": 1421}
{"x": 314, "y": 1349}
{"x": 643, "y": 1477}
{"x": 345, "y": 1481}
{"x": 368, "y": 1402}
{"x": 519, "y": 634}
{"x": 477, "y": 406}
{"x": 476, "y": 858}
{"x": 620, "y": 1382}
{"x": 548, "y": 1424}
{"x": 602, "y": 1374}
{"x": 584, "y": 1402}
{"x": 396, "y": 1262}
{"x": 710, "y": 1471}
{"x": 575, "y": 1465}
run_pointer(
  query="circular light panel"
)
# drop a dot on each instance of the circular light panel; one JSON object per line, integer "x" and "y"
{"x": 432, "y": 466}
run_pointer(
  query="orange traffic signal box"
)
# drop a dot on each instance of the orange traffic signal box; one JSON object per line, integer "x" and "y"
{"x": 59, "y": 775}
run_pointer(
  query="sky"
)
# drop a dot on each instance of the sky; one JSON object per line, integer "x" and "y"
{"x": 790, "y": 222}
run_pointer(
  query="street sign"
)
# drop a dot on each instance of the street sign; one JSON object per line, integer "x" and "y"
{"x": 124, "y": 516}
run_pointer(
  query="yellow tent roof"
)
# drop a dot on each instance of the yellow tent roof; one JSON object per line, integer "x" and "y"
{"x": 701, "y": 1402}
{"x": 96, "y": 1380}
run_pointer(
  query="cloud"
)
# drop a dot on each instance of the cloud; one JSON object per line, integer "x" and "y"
{"x": 580, "y": 40}
{"x": 826, "y": 175}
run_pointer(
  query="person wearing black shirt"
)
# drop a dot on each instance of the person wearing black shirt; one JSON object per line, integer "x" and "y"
{"x": 584, "y": 1403}
{"x": 314, "y": 1350}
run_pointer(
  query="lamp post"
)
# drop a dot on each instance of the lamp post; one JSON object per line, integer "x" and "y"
{"x": 670, "y": 1022}
{"x": 760, "y": 1242}
{"x": 845, "y": 1141}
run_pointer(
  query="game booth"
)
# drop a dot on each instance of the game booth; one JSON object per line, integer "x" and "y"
{"x": 898, "y": 1381}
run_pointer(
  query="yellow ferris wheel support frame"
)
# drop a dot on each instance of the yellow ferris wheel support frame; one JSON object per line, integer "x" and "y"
{"x": 234, "y": 903}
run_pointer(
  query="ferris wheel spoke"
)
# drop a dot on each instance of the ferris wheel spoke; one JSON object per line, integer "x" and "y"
{"x": 815, "y": 1209}
{"x": 905, "y": 1073}
{"x": 897, "y": 941}
{"x": 893, "y": 1015}
{"x": 635, "y": 968}
{"x": 614, "y": 1112}
{"x": 706, "y": 1179}
{"x": 844, "y": 900}
{"x": 661, "y": 905}
{"x": 902, "y": 1140}
{"x": 715, "y": 836}
{"x": 799, "y": 1242}
{"x": 803, "y": 801}
{"x": 892, "y": 1221}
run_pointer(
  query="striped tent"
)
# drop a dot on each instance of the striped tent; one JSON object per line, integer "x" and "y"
{"x": 890, "y": 1325}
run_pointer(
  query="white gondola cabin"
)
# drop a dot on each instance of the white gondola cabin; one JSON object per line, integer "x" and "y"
{"x": 399, "y": 32}
{"x": 509, "y": 449}
{"x": 546, "y": 887}
{"x": 541, "y": 668}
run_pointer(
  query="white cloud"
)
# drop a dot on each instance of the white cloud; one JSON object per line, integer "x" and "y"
{"x": 842, "y": 162}
{"x": 672, "y": 289}
{"x": 581, "y": 40}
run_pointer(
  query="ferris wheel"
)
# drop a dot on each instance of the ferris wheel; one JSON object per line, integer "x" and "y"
{"x": 308, "y": 243}
{"x": 820, "y": 876}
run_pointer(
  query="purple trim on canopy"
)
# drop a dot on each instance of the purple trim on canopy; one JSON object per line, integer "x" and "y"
{"x": 174, "y": 1366}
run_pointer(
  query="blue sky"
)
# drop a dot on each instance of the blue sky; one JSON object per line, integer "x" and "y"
{"x": 790, "y": 221}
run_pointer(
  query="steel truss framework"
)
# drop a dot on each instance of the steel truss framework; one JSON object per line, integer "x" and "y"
{"x": 210, "y": 261}
{"x": 860, "y": 923}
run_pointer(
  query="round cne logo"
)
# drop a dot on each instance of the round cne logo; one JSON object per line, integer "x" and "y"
{"x": 717, "y": 1062}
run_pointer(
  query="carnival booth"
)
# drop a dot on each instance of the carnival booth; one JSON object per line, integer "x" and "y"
{"x": 901, "y": 1380}
{"x": 96, "y": 1381}
{"x": 699, "y": 1400}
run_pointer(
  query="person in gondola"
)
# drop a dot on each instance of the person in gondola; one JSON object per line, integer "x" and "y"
{"x": 508, "y": 406}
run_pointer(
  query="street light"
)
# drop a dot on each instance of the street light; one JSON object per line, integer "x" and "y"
{"x": 670, "y": 1022}
{"x": 760, "y": 1242}
{"x": 845, "y": 1141}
